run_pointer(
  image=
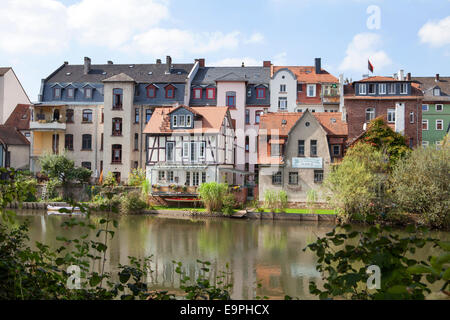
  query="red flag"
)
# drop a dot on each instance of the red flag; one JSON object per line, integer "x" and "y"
{"x": 370, "y": 66}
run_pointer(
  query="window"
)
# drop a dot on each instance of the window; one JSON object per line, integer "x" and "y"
{"x": 293, "y": 178}
{"x": 439, "y": 124}
{"x": 55, "y": 143}
{"x": 370, "y": 114}
{"x": 103, "y": 116}
{"x": 311, "y": 90}
{"x": 169, "y": 151}
{"x": 258, "y": 117}
{"x": 391, "y": 87}
{"x": 185, "y": 149}
{"x": 161, "y": 175}
{"x": 193, "y": 150}
{"x": 86, "y": 142}
{"x": 188, "y": 121}
{"x": 403, "y": 88}
{"x": 260, "y": 93}
{"x": 210, "y": 93}
{"x": 136, "y": 115}
{"x": 88, "y": 93}
{"x": 101, "y": 142}
{"x": 197, "y": 93}
{"x": 70, "y": 92}
{"x": 411, "y": 117}
{"x": 195, "y": 178}
{"x": 436, "y": 92}
{"x": 116, "y": 126}
{"x": 170, "y": 92}
{"x": 301, "y": 148}
{"x": 438, "y": 145}
{"x": 136, "y": 142}
{"x": 282, "y": 88}
{"x": 69, "y": 116}
{"x": 275, "y": 150}
{"x": 203, "y": 177}
{"x": 282, "y": 103}
{"x": 425, "y": 144}
{"x": 247, "y": 116}
{"x": 276, "y": 178}
{"x": 231, "y": 99}
{"x": 116, "y": 154}
{"x": 299, "y": 87}
{"x": 86, "y": 165}
{"x": 391, "y": 115}
{"x": 439, "y": 107}
{"x": 57, "y": 93}
{"x": 87, "y": 115}
{"x": 188, "y": 178}
{"x": 318, "y": 176}
{"x": 175, "y": 121}
{"x": 148, "y": 115}
{"x": 181, "y": 120}
{"x": 151, "y": 91}
{"x": 202, "y": 149}
{"x": 382, "y": 88}
{"x": 362, "y": 88}
{"x": 411, "y": 142}
{"x": 424, "y": 124}
{"x": 136, "y": 164}
{"x": 336, "y": 150}
{"x": 68, "y": 144}
{"x": 424, "y": 107}
{"x": 247, "y": 143}
{"x": 313, "y": 148}
{"x": 117, "y": 99}
{"x": 372, "y": 88}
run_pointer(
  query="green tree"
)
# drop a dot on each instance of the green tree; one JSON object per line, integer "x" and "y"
{"x": 58, "y": 166}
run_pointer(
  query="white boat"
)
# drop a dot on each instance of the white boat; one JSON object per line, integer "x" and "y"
{"x": 54, "y": 210}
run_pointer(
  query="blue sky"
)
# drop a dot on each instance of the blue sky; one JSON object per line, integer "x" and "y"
{"x": 37, "y": 36}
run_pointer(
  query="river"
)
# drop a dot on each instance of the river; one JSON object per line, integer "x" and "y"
{"x": 265, "y": 252}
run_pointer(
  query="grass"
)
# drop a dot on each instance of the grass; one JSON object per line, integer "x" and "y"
{"x": 305, "y": 211}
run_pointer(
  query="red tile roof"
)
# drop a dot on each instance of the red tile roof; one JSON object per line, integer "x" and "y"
{"x": 10, "y": 136}
{"x": 20, "y": 117}
{"x": 377, "y": 79}
{"x": 307, "y": 74}
{"x": 211, "y": 118}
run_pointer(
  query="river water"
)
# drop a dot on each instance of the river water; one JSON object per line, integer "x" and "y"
{"x": 268, "y": 253}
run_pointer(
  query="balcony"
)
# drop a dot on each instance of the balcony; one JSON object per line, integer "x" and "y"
{"x": 43, "y": 125}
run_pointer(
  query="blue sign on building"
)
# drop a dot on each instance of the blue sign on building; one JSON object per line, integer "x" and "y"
{"x": 307, "y": 163}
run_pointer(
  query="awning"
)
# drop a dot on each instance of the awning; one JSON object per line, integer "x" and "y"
{"x": 276, "y": 141}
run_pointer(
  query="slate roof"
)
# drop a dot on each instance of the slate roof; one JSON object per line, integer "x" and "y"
{"x": 4, "y": 70}
{"x": 253, "y": 75}
{"x": 139, "y": 72}
{"x": 349, "y": 93}
{"x": 11, "y": 136}
{"x": 20, "y": 117}
{"x": 307, "y": 74}
{"x": 426, "y": 84}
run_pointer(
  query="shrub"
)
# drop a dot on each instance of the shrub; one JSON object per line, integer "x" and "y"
{"x": 110, "y": 180}
{"x": 82, "y": 175}
{"x": 420, "y": 185}
{"x": 311, "y": 199}
{"x": 52, "y": 192}
{"x": 212, "y": 194}
{"x": 132, "y": 203}
{"x": 229, "y": 203}
{"x": 275, "y": 201}
{"x": 136, "y": 177}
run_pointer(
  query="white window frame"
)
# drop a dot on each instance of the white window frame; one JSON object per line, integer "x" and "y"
{"x": 374, "y": 88}
{"x": 88, "y": 96}
{"x": 438, "y": 145}
{"x": 314, "y": 90}
{"x": 282, "y": 86}
{"x": 427, "y": 107}
{"x": 57, "y": 90}
{"x": 438, "y": 90}
{"x": 362, "y": 89}
{"x": 182, "y": 122}
{"x": 195, "y": 178}
{"x": 70, "y": 90}
{"x": 441, "y": 122}
{"x": 282, "y": 99}
{"x": 188, "y": 121}
{"x": 201, "y": 154}
{"x": 161, "y": 175}
{"x": 403, "y": 86}
{"x": 391, "y": 87}
{"x": 391, "y": 115}
{"x": 423, "y": 122}
{"x": 175, "y": 121}
{"x": 442, "y": 107}
{"x": 372, "y": 112}
{"x": 339, "y": 148}
{"x": 197, "y": 91}
{"x": 186, "y": 152}
{"x": 382, "y": 88}
{"x": 170, "y": 176}
{"x": 167, "y": 150}
{"x": 411, "y": 117}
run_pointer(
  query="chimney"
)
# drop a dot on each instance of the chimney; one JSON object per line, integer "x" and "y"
{"x": 400, "y": 75}
{"x": 408, "y": 76}
{"x": 87, "y": 65}
{"x": 437, "y": 77}
{"x": 267, "y": 64}
{"x": 158, "y": 61}
{"x": 168, "y": 64}
{"x": 110, "y": 62}
{"x": 318, "y": 64}
{"x": 243, "y": 65}
{"x": 66, "y": 63}
{"x": 201, "y": 62}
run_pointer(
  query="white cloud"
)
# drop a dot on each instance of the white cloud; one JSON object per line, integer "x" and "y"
{"x": 112, "y": 22}
{"x": 256, "y": 38}
{"x": 280, "y": 59}
{"x": 33, "y": 26}
{"x": 363, "y": 47}
{"x": 436, "y": 33}
{"x": 237, "y": 62}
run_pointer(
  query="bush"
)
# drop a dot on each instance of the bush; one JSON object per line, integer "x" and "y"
{"x": 132, "y": 203}
{"x": 275, "y": 201}
{"x": 102, "y": 201}
{"x": 420, "y": 185}
{"x": 212, "y": 194}
{"x": 110, "y": 180}
{"x": 136, "y": 177}
{"x": 229, "y": 203}
{"x": 82, "y": 175}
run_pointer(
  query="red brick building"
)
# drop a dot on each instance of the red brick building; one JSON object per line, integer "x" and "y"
{"x": 396, "y": 99}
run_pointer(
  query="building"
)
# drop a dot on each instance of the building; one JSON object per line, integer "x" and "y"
{"x": 14, "y": 149}
{"x": 396, "y": 99}
{"x": 245, "y": 91}
{"x": 97, "y": 113}
{"x": 20, "y": 119}
{"x": 11, "y": 93}
{"x": 297, "y": 88}
{"x": 435, "y": 108}
{"x": 297, "y": 149}
{"x": 188, "y": 146}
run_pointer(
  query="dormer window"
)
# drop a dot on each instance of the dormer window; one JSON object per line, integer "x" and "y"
{"x": 362, "y": 88}
{"x": 382, "y": 88}
{"x": 391, "y": 87}
{"x": 88, "y": 93}
{"x": 371, "y": 88}
{"x": 436, "y": 92}
{"x": 403, "y": 88}
{"x": 151, "y": 91}
{"x": 197, "y": 93}
{"x": 260, "y": 93}
{"x": 57, "y": 93}
{"x": 70, "y": 92}
{"x": 182, "y": 121}
{"x": 170, "y": 92}
{"x": 210, "y": 93}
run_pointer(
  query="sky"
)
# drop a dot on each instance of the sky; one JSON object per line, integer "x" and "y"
{"x": 37, "y": 36}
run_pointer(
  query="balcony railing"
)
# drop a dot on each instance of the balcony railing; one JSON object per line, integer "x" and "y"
{"x": 47, "y": 125}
